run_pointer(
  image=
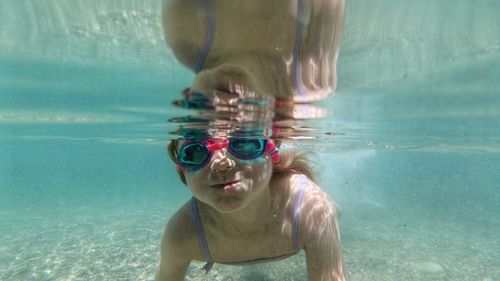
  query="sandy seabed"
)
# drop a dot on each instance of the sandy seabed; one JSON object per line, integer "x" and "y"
{"x": 120, "y": 244}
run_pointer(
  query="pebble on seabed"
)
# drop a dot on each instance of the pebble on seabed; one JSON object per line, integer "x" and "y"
{"x": 430, "y": 267}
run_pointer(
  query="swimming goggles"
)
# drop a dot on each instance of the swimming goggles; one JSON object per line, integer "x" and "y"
{"x": 194, "y": 155}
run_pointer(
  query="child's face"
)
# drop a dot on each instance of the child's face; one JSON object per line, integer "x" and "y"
{"x": 227, "y": 183}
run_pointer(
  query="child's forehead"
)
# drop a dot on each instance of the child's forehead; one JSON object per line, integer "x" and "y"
{"x": 183, "y": 141}
{"x": 205, "y": 141}
{"x": 223, "y": 136}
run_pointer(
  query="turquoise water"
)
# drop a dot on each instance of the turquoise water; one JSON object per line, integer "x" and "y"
{"x": 410, "y": 147}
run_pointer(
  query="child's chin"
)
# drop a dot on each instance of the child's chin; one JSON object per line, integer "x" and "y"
{"x": 229, "y": 204}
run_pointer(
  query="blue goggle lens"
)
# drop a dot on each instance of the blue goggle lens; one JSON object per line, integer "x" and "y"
{"x": 193, "y": 156}
{"x": 247, "y": 148}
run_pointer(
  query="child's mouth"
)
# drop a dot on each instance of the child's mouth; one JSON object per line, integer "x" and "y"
{"x": 227, "y": 185}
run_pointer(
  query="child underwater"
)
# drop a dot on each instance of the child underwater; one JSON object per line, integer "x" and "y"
{"x": 251, "y": 203}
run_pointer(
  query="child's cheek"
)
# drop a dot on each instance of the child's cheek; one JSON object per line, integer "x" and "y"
{"x": 193, "y": 179}
{"x": 257, "y": 167}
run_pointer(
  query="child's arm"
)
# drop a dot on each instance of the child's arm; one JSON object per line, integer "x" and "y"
{"x": 174, "y": 252}
{"x": 321, "y": 238}
{"x": 321, "y": 46}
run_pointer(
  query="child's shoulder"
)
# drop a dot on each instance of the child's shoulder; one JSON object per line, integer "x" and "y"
{"x": 292, "y": 185}
{"x": 177, "y": 248}
{"x": 316, "y": 205}
{"x": 179, "y": 230}
{"x": 314, "y": 200}
{"x": 295, "y": 182}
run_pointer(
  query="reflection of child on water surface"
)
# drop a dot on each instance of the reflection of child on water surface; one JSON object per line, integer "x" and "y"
{"x": 250, "y": 204}
{"x": 281, "y": 48}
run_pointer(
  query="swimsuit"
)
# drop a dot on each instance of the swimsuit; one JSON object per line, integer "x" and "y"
{"x": 202, "y": 240}
{"x": 210, "y": 31}
{"x": 209, "y": 35}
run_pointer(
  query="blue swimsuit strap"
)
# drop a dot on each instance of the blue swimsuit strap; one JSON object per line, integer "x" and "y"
{"x": 202, "y": 240}
{"x": 296, "y": 212}
{"x": 209, "y": 35}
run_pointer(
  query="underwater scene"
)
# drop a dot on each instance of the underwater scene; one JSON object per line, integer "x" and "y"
{"x": 407, "y": 145}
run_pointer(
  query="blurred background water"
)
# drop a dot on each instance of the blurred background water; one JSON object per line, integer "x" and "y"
{"x": 409, "y": 146}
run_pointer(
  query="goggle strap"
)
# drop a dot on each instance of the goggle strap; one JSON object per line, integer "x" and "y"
{"x": 179, "y": 166}
{"x": 185, "y": 93}
{"x": 273, "y": 151}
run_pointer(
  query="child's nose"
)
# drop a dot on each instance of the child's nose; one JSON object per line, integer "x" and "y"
{"x": 221, "y": 161}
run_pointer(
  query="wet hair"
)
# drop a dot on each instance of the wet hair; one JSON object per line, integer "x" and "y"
{"x": 295, "y": 161}
{"x": 291, "y": 161}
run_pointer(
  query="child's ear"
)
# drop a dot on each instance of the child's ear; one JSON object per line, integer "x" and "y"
{"x": 172, "y": 152}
